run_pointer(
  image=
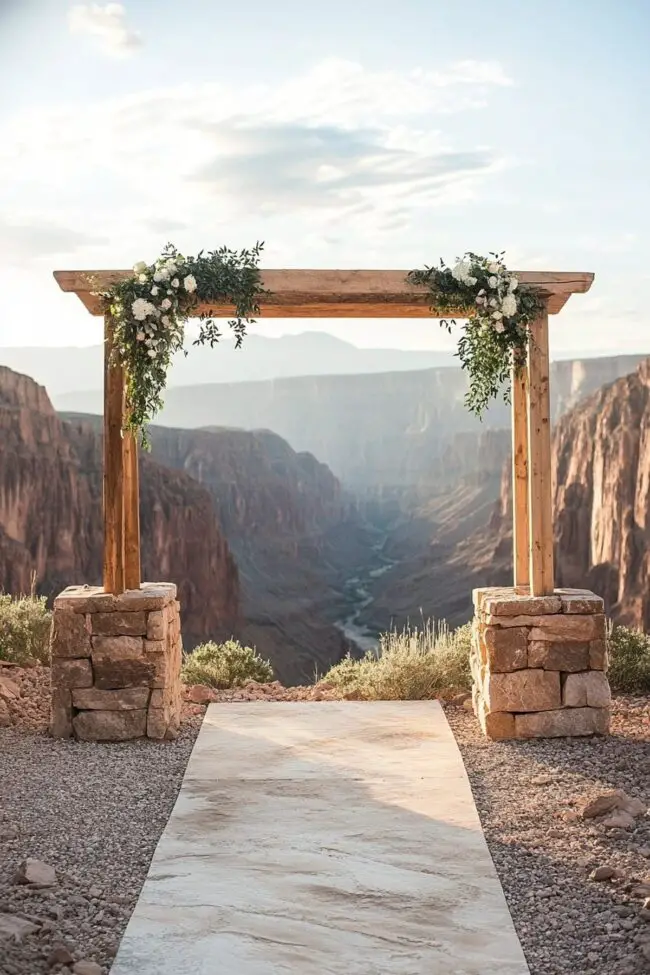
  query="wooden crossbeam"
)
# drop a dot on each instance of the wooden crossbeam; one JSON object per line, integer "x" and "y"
{"x": 336, "y": 294}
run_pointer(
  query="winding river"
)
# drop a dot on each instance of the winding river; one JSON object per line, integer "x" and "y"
{"x": 359, "y": 597}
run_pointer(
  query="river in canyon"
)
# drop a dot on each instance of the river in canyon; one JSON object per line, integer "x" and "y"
{"x": 359, "y": 597}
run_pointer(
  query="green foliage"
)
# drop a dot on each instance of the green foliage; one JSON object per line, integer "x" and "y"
{"x": 629, "y": 660}
{"x": 224, "y": 665}
{"x": 25, "y": 623}
{"x": 150, "y": 308}
{"x": 499, "y": 311}
{"x": 414, "y": 665}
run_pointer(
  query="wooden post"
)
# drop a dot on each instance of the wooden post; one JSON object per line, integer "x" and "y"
{"x": 113, "y": 468}
{"x": 131, "y": 513}
{"x": 540, "y": 503}
{"x": 520, "y": 521}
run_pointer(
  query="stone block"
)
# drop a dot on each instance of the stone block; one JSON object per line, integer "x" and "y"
{"x": 568, "y": 628}
{"x": 70, "y": 634}
{"x": 112, "y": 674}
{"x": 512, "y": 605}
{"x": 497, "y": 725}
{"x": 568, "y": 657}
{"x": 61, "y": 713}
{"x": 580, "y": 601}
{"x": 85, "y": 599}
{"x": 598, "y": 655}
{"x": 160, "y": 669}
{"x": 110, "y": 725}
{"x": 120, "y": 624}
{"x": 157, "y": 625}
{"x": 157, "y": 722}
{"x": 154, "y": 646}
{"x": 523, "y": 690}
{"x": 71, "y": 673}
{"x": 507, "y": 649}
{"x": 118, "y": 647}
{"x": 566, "y": 722}
{"x": 590, "y": 689}
{"x": 123, "y": 699}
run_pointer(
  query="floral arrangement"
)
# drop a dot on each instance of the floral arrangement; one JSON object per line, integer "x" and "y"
{"x": 149, "y": 311}
{"x": 500, "y": 312}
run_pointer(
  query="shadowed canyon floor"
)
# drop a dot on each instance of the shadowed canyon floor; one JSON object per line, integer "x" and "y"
{"x": 334, "y": 839}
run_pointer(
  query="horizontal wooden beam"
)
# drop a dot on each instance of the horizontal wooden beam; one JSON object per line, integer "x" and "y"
{"x": 335, "y": 294}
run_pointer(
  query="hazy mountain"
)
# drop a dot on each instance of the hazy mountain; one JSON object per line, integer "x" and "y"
{"x": 66, "y": 370}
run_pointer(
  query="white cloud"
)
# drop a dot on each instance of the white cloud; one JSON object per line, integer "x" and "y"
{"x": 108, "y": 24}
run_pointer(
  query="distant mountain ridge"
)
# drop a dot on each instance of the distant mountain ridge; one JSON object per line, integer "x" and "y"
{"x": 67, "y": 370}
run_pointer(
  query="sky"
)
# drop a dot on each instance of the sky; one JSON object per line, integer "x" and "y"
{"x": 346, "y": 133}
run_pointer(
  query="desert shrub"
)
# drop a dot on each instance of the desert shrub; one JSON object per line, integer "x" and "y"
{"x": 411, "y": 665}
{"x": 629, "y": 660}
{"x": 25, "y": 623}
{"x": 224, "y": 665}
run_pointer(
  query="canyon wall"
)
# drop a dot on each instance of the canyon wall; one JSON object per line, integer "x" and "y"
{"x": 50, "y": 515}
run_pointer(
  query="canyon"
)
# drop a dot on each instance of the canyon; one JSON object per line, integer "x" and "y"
{"x": 306, "y": 559}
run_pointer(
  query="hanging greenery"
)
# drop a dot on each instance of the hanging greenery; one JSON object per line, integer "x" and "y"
{"x": 149, "y": 311}
{"x": 500, "y": 312}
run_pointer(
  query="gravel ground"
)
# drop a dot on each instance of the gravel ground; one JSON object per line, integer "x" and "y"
{"x": 95, "y": 813}
{"x": 528, "y": 795}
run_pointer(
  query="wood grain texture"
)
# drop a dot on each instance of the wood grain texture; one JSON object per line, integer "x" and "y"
{"x": 520, "y": 520}
{"x": 540, "y": 503}
{"x": 113, "y": 571}
{"x": 132, "y": 569}
{"x": 336, "y": 294}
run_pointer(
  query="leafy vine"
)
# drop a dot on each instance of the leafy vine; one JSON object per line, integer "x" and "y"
{"x": 149, "y": 310}
{"x": 500, "y": 312}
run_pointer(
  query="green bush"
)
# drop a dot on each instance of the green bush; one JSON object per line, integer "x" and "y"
{"x": 24, "y": 629}
{"x": 224, "y": 665}
{"x": 414, "y": 665}
{"x": 629, "y": 660}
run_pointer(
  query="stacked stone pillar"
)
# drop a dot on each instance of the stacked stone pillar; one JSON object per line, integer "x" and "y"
{"x": 539, "y": 663}
{"x": 116, "y": 663}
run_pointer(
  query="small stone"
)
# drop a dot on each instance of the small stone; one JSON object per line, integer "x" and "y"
{"x": 506, "y": 649}
{"x": 563, "y": 656}
{"x": 458, "y": 701}
{"x": 563, "y": 723}
{"x": 15, "y": 928}
{"x": 94, "y": 892}
{"x": 514, "y": 605}
{"x": 122, "y": 699}
{"x": 523, "y": 690}
{"x": 87, "y": 968}
{"x": 70, "y": 636}
{"x": 60, "y": 955}
{"x": 9, "y": 690}
{"x": 598, "y": 655}
{"x": 602, "y": 873}
{"x": 568, "y": 628}
{"x": 200, "y": 694}
{"x": 118, "y": 647}
{"x": 619, "y": 819}
{"x": 156, "y": 629}
{"x": 111, "y": 674}
{"x": 642, "y": 891}
{"x": 36, "y": 873}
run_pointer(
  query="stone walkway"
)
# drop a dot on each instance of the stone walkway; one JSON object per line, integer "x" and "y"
{"x": 323, "y": 839}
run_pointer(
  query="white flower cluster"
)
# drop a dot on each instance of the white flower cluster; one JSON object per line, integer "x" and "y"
{"x": 497, "y": 301}
{"x": 160, "y": 331}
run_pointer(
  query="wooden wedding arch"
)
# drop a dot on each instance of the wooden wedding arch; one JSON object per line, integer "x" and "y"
{"x": 348, "y": 294}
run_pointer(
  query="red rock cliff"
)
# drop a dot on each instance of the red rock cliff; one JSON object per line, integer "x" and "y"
{"x": 50, "y": 515}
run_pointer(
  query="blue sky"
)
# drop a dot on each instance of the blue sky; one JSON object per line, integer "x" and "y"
{"x": 355, "y": 134}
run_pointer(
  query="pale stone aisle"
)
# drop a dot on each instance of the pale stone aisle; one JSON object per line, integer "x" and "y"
{"x": 323, "y": 839}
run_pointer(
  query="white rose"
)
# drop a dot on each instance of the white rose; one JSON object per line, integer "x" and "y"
{"x": 169, "y": 291}
{"x": 155, "y": 290}
{"x": 480, "y": 300}
{"x": 493, "y": 282}
{"x": 175, "y": 283}
{"x": 165, "y": 321}
{"x": 509, "y": 305}
{"x": 162, "y": 274}
{"x": 493, "y": 268}
{"x": 493, "y": 302}
{"x": 499, "y": 326}
{"x": 513, "y": 284}
{"x": 140, "y": 336}
{"x": 142, "y": 278}
{"x": 165, "y": 304}
{"x": 152, "y": 353}
{"x": 140, "y": 267}
{"x": 470, "y": 280}
{"x": 140, "y": 309}
{"x": 497, "y": 316}
{"x": 171, "y": 267}
{"x": 189, "y": 283}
